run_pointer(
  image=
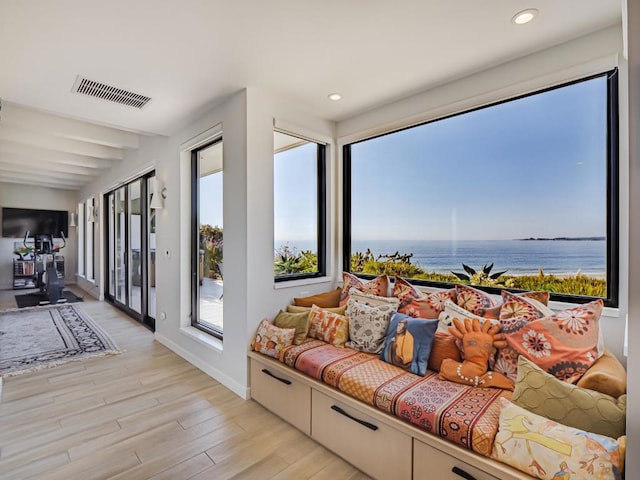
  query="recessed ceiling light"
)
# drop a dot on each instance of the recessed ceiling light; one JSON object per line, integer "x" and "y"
{"x": 334, "y": 96}
{"x": 525, "y": 16}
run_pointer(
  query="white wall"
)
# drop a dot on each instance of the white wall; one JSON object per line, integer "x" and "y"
{"x": 633, "y": 413}
{"x": 594, "y": 53}
{"x": 25, "y": 196}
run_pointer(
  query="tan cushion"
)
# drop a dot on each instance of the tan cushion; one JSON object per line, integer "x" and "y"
{"x": 299, "y": 321}
{"x": 607, "y": 375}
{"x": 543, "y": 394}
{"x": 329, "y": 299}
{"x": 297, "y": 309}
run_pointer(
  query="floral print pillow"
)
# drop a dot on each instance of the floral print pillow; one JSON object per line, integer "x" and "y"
{"x": 474, "y": 300}
{"x": 379, "y": 286}
{"x": 328, "y": 327}
{"x": 564, "y": 344}
{"x": 270, "y": 339}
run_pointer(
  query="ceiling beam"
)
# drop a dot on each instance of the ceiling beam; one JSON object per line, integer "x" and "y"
{"x": 43, "y": 172}
{"x": 44, "y": 178}
{"x": 35, "y": 121}
{"x": 44, "y": 155}
{"x": 59, "y": 144}
{"x": 36, "y": 164}
{"x": 7, "y": 178}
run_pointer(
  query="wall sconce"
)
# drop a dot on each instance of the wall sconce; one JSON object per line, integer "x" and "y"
{"x": 93, "y": 215}
{"x": 158, "y": 195}
{"x": 72, "y": 219}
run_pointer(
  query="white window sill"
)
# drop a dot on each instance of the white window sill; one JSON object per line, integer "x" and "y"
{"x": 203, "y": 338}
{"x": 302, "y": 281}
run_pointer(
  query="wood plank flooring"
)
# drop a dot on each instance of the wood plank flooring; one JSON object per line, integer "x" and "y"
{"x": 145, "y": 414}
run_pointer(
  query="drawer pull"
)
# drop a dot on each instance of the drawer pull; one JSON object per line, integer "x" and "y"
{"x": 462, "y": 473}
{"x": 370, "y": 426}
{"x": 283, "y": 380}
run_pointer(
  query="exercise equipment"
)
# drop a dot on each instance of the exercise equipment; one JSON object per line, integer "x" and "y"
{"x": 46, "y": 277}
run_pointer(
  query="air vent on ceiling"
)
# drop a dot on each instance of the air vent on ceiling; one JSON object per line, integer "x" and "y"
{"x": 109, "y": 93}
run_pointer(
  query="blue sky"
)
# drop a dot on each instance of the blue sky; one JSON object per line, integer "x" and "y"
{"x": 531, "y": 167}
{"x": 534, "y": 167}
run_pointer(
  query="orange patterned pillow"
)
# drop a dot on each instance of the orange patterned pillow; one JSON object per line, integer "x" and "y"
{"x": 270, "y": 339}
{"x": 379, "y": 286}
{"x": 418, "y": 305}
{"x": 328, "y": 327}
{"x": 444, "y": 346}
{"x": 564, "y": 344}
{"x": 474, "y": 300}
{"x": 404, "y": 291}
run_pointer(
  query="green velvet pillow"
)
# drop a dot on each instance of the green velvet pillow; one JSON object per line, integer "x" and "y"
{"x": 299, "y": 321}
{"x": 543, "y": 394}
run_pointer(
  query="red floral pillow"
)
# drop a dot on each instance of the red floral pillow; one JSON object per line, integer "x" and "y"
{"x": 475, "y": 301}
{"x": 416, "y": 304}
{"x": 564, "y": 344}
{"x": 404, "y": 291}
{"x": 379, "y": 286}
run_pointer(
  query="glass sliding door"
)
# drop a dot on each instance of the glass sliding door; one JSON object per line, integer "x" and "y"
{"x": 128, "y": 237}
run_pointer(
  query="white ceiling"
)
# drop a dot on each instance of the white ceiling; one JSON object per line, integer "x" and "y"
{"x": 185, "y": 54}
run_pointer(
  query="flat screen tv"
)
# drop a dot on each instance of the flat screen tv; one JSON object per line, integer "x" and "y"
{"x": 17, "y": 221}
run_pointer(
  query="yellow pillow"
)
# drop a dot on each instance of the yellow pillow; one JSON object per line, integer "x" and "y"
{"x": 299, "y": 321}
{"x": 328, "y": 299}
{"x": 607, "y": 375}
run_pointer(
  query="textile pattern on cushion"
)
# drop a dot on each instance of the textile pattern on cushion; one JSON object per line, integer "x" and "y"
{"x": 404, "y": 291}
{"x": 298, "y": 321}
{"x": 588, "y": 410}
{"x": 548, "y": 450}
{"x": 434, "y": 405}
{"x": 327, "y": 326}
{"x": 427, "y": 306}
{"x": 270, "y": 339}
{"x": 516, "y": 312}
{"x": 329, "y": 299}
{"x": 564, "y": 344}
{"x": 379, "y": 286}
{"x": 368, "y": 325}
{"x": 473, "y": 300}
{"x": 372, "y": 300}
{"x": 408, "y": 343}
{"x": 297, "y": 309}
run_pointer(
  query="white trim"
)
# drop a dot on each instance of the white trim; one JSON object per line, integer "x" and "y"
{"x": 150, "y": 167}
{"x": 201, "y": 138}
{"x": 301, "y": 281}
{"x": 224, "y": 379}
{"x": 301, "y": 132}
{"x": 532, "y": 85}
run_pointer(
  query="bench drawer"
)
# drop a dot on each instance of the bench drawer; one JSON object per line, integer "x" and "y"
{"x": 429, "y": 462}
{"x": 279, "y": 392}
{"x": 374, "y": 447}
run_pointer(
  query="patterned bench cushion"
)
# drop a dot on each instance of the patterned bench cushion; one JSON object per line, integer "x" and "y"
{"x": 461, "y": 414}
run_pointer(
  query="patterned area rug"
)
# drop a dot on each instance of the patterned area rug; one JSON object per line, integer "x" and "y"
{"x": 43, "y": 337}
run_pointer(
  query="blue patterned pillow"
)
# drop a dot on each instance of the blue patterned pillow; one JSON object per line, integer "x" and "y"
{"x": 408, "y": 343}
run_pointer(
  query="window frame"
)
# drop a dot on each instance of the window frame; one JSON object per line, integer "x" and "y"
{"x": 321, "y": 197}
{"x": 612, "y": 192}
{"x": 195, "y": 238}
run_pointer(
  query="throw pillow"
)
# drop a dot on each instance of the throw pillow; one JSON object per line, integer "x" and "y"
{"x": 443, "y": 347}
{"x": 516, "y": 311}
{"x": 328, "y": 327}
{"x": 427, "y": 306}
{"x": 563, "y": 344}
{"x": 379, "y": 286}
{"x": 270, "y": 339}
{"x": 577, "y": 407}
{"x": 546, "y": 449}
{"x": 404, "y": 291}
{"x": 408, "y": 343}
{"x": 329, "y": 299}
{"x": 368, "y": 325}
{"x": 474, "y": 300}
{"x": 606, "y": 375}
{"x": 297, "y": 309}
{"x": 297, "y": 321}
{"x": 372, "y": 300}
{"x": 451, "y": 311}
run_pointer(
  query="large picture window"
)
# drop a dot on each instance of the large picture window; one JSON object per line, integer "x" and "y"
{"x": 299, "y": 207}
{"x": 521, "y": 195}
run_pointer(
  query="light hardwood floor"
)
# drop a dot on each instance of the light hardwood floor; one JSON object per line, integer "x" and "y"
{"x": 145, "y": 414}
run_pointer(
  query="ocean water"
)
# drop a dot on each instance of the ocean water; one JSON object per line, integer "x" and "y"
{"x": 518, "y": 257}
